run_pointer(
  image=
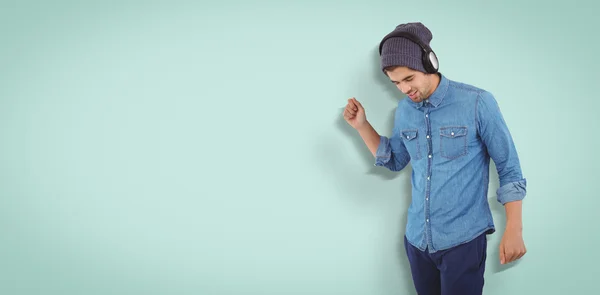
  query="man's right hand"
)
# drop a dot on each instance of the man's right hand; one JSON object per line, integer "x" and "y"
{"x": 354, "y": 114}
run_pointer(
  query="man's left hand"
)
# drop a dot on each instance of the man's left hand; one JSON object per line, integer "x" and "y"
{"x": 512, "y": 246}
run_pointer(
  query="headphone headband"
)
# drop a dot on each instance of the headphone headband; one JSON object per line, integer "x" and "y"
{"x": 406, "y": 35}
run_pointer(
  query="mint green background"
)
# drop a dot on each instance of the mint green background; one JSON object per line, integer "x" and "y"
{"x": 199, "y": 148}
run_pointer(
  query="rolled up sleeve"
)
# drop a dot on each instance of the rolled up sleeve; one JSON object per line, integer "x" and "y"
{"x": 510, "y": 192}
{"x": 391, "y": 154}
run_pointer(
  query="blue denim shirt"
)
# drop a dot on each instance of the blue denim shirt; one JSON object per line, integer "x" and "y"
{"x": 449, "y": 139}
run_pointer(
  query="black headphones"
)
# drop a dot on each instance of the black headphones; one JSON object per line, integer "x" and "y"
{"x": 430, "y": 61}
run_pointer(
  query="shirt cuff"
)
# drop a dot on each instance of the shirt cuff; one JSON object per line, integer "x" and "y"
{"x": 384, "y": 151}
{"x": 513, "y": 191}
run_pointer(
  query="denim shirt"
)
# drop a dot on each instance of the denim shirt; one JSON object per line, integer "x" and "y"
{"x": 449, "y": 139}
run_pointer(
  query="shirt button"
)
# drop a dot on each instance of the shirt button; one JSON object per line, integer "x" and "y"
{"x": 426, "y": 116}
{"x": 407, "y": 136}
{"x": 426, "y": 199}
{"x": 427, "y": 136}
{"x": 430, "y": 156}
{"x": 452, "y": 133}
{"x": 427, "y": 219}
{"x": 427, "y": 177}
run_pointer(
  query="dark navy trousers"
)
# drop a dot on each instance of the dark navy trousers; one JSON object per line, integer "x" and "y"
{"x": 455, "y": 271}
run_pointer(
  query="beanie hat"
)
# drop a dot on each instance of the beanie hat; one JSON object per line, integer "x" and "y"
{"x": 400, "y": 51}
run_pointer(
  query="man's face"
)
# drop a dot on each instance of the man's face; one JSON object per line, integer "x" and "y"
{"x": 418, "y": 86}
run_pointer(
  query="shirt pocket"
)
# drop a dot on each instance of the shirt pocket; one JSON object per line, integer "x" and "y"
{"x": 411, "y": 142}
{"x": 453, "y": 142}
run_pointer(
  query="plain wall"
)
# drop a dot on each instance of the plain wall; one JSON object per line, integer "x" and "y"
{"x": 199, "y": 147}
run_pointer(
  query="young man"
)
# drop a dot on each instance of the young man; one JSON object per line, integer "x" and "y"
{"x": 448, "y": 131}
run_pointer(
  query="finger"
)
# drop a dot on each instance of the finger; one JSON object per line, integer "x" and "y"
{"x": 510, "y": 256}
{"x": 351, "y": 109}
{"x": 358, "y": 103}
{"x": 502, "y": 258}
{"x": 353, "y": 103}
{"x": 348, "y": 114}
{"x": 347, "y": 117}
{"x": 514, "y": 255}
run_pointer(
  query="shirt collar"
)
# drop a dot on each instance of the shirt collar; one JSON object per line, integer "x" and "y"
{"x": 437, "y": 96}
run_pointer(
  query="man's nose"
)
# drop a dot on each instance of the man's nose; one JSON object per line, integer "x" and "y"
{"x": 405, "y": 89}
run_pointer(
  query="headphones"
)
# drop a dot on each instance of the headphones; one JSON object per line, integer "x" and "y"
{"x": 429, "y": 59}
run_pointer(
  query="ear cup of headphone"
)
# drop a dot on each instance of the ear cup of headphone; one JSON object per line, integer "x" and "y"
{"x": 430, "y": 61}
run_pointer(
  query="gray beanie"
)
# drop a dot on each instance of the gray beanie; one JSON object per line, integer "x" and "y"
{"x": 399, "y": 51}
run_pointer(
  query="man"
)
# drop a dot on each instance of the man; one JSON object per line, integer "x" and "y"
{"x": 448, "y": 131}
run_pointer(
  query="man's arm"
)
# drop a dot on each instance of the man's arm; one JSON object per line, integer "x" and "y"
{"x": 514, "y": 215}
{"x": 512, "y": 246}
{"x": 370, "y": 137}
{"x": 499, "y": 143}
{"x": 498, "y": 140}
{"x": 389, "y": 153}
